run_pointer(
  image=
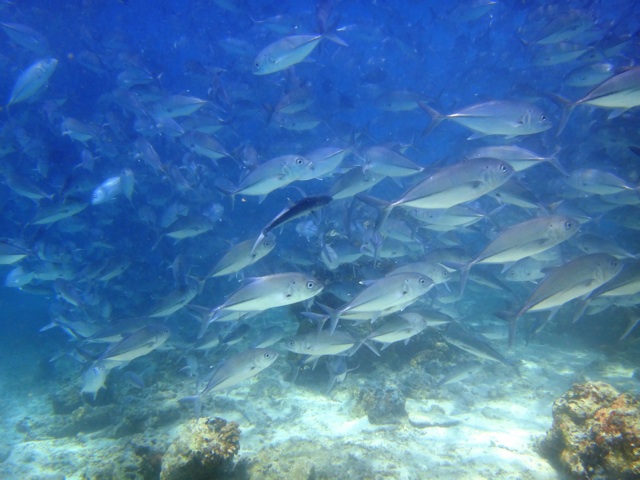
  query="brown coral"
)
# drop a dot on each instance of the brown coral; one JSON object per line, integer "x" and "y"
{"x": 595, "y": 433}
{"x": 204, "y": 450}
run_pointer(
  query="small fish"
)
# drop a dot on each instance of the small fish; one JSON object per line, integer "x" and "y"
{"x": 399, "y": 328}
{"x": 177, "y": 299}
{"x": 94, "y": 378}
{"x": 58, "y": 211}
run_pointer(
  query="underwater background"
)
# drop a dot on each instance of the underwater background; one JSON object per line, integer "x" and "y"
{"x": 248, "y": 239}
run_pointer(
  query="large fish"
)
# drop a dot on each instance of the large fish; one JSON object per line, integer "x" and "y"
{"x": 383, "y": 294}
{"x": 239, "y": 368}
{"x": 271, "y": 175}
{"x": 139, "y": 343}
{"x": 499, "y": 117}
{"x": 177, "y": 299}
{"x": 619, "y": 93}
{"x": 263, "y": 293}
{"x": 242, "y": 255}
{"x": 524, "y": 240}
{"x": 32, "y": 80}
{"x": 453, "y": 185}
{"x": 474, "y": 344}
{"x": 577, "y": 278}
{"x": 320, "y": 343}
{"x": 288, "y": 51}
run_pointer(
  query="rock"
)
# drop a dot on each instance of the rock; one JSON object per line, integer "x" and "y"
{"x": 595, "y": 433}
{"x": 383, "y": 404}
{"x": 203, "y": 450}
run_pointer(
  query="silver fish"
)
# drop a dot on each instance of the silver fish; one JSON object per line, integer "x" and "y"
{"x": 320, "y": 343}
{"x": 139, "y": 343}
{"x": 242, "y": 255}
{"x": 399, "y": 328}
{"x": 459, "y": 183}
{"x": 58, "y": 212}
{"x": 474, "y": 344}
{"x": 499, "y": 117}
{"x": 288, "y": 51}
{"x": 524, "y": 240}
{"x": 619, "y": 93}
{"x": 383, "y": 294}
{"x": 240, "y": 367}
{"x": 177, "y": 299}
{"x": 576, "y": 278}
{"x": 271, "y": 175}
{"x": 32, "y": 80}
{"x": 94, "y": 378}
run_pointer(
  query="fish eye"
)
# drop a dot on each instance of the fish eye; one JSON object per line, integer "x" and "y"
{"x": 568, "y": 225}
{"x": 423, "y": 281}
{"x": 299, "y": 161}
{"x": 267, "y": 355}
{"x": 503, "y": 168}
{"x": 311, "y": 284}
{"x": 543, "y": 117}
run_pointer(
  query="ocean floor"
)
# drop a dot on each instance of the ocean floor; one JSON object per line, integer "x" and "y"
{"x": 485, "y": 426}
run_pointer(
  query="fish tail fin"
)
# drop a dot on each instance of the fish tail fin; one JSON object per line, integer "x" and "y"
{"x": 196, "y": 403}
{"x": 567, "y": 109}
{"x": 512, "y": 318}
{"x": 634, "y": 318}
{"x": 555, "y": 162}
{"x": 436, "y": 118}
{"x": 464, "y": 276}
{"x": 257, "y": 242}
{"x": 580, "y": 309}
{"x": 206, "y": 321}
{"x": 336, "y": 39}
{"x": 370, "y": 346}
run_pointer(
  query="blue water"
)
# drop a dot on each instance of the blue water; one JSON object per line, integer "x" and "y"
{"x": 452, "y": 55}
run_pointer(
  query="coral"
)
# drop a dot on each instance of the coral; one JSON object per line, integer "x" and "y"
{"x": 203, "y": 450}
{"x": 383, "y": 404}
{"x": 595, "y": 433}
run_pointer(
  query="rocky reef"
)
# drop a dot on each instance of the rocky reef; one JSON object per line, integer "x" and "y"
{"x": 595, "y": 433}
{"x": 204, "y": 449}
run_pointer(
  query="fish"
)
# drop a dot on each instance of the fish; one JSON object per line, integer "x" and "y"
{"x": 352, "y": 182}
{"x": 465, "y": 340}
{"x": 619, "y": 94}
{"x": 10, "y": 253}
{"x": 598, "y": 182}
{"x": 32, "y": 80}
{"x": 299, "y": 209}
{"x": 263, "y": 293}
{"x": 450, "y": 186}
{"x": 113, "y": 187}
{"x": 242, "y": 255}
{"x": 58, "y": 211}
{"x": 508, "y": 118}
{"x": 398, "y": 290}
{"x": 576, "y": 278}
{"x": 93, "y": 379}
{"x": 524, "y": 240}
{"x": 141, "y": 342}
{"x": 460, "y": 373}
{"x": 238, "y": 368}
{"x": 288, "y": 51}
{"x": 176, "y": 300}
{"x": 321, "y": 343}
{"x": 519, "y": 158}
{"x": 271, "y": 175}
{"x": 399, "y": 328}
{"x": 384, "y": 161}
